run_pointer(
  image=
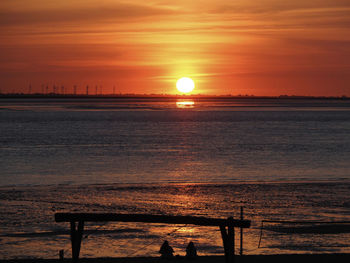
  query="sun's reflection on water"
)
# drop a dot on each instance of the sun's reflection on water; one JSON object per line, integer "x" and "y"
{"x": 184, "y": 104}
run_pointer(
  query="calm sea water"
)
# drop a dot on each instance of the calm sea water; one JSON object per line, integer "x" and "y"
{"x": 280, "y": 159}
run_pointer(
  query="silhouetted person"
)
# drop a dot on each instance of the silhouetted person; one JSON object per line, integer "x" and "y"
{"x": 166, "y": 250}
{"x": 191, "y": 251}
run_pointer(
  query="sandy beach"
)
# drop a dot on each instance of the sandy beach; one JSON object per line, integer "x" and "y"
{"x": 300, "y": 258}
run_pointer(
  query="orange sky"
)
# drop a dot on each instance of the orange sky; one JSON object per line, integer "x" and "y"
{"x": 260, "y": 47}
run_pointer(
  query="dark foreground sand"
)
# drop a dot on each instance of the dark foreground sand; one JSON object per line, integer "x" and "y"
{"x": 309, "y": 258}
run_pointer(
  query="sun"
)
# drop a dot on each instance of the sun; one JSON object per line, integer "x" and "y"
{"x": 185, "y": 85}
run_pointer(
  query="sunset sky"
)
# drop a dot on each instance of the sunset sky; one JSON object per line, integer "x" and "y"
{"x": 260, "y": 47}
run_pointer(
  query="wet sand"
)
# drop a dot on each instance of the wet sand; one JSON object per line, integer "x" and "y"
{"x": 299, "y": 258}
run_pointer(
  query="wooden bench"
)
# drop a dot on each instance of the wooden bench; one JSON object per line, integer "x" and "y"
{"x": 226, "y": 226}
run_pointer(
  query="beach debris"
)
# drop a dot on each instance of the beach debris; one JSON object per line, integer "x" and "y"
{"x": 166, "y": 250}
{"x": 191, "y": 251}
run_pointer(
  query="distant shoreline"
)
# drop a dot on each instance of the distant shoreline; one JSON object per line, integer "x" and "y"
{"x": 178, "y": 184}
{"x": 162, "y": 96}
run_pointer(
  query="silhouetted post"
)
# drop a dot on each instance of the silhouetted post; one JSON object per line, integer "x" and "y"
{"x": 75, "y": 89}
{"x": 224, "y": 241}
{"x": 228, "y": 239}
{"x": 75, "y": 237}
{"x": 87, "y": 90}
{"x": 261, "y": 231}
{"x": 231, "y": 240}
{"x": 241, "y": 235}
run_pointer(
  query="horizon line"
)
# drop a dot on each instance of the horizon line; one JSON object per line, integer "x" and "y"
{"x": 155, "y": 95}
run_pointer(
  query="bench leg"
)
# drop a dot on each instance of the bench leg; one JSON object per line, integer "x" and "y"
{"x": 228, "y": 239}
{"x": 76, "y": 235}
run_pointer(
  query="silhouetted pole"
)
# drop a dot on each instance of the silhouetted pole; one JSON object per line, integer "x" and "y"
{"x": 228, "y": 238}
{"x": 231, "y": 240}
{"x": 76, "y": 235}
{"x": 87, "y": 90}
{"x": 75, "y": 89}
{"x": 241, "y": 235}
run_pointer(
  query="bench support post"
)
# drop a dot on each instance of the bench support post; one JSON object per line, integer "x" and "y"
{"x": 228, "y": 239}
{"x": 76, "y": 235}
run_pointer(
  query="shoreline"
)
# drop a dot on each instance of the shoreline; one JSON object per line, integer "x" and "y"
{"x": 275, "y": 258}
{"x": 180, "y": 183}
{"x": 58, "y": 95}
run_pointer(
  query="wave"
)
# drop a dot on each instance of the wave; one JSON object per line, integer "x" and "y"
{"x": 86, "y": 232}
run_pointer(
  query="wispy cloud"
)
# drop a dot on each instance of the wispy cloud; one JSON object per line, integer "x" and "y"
{"x": 108, "y": 12}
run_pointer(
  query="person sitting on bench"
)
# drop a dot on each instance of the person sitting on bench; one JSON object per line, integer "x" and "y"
{"x": 166, "y": 250}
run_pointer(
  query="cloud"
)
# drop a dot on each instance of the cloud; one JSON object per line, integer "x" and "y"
{"x": 275, "y": 6}
{"x": 90, "y": 14}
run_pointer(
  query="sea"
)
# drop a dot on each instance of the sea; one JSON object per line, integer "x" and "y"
{"x": 282, "y": 161}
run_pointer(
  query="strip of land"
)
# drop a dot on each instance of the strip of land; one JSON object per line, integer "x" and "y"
{"x": 295, "y": 258}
